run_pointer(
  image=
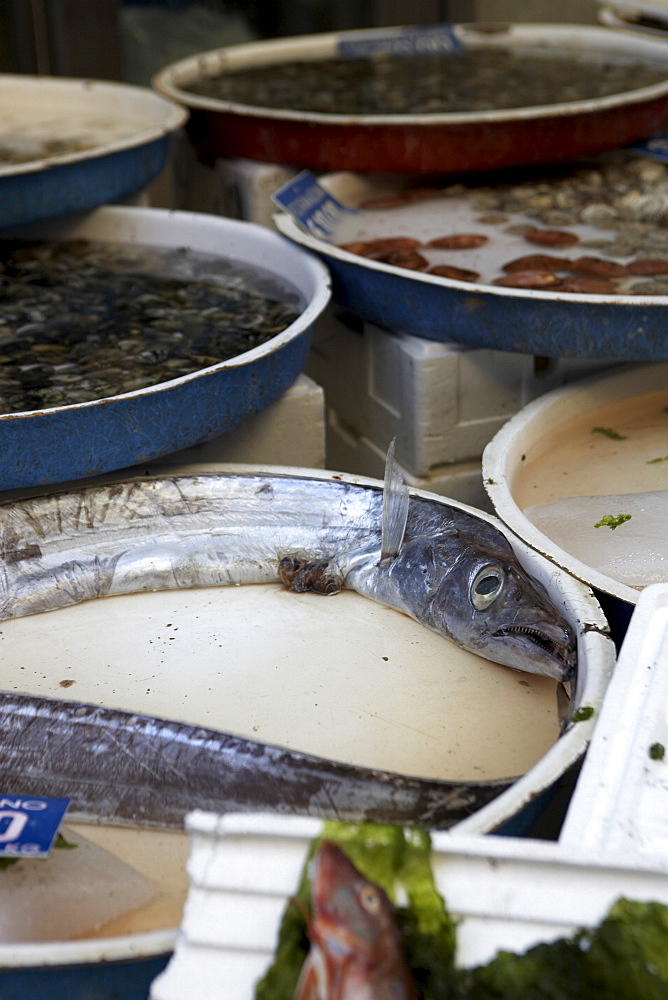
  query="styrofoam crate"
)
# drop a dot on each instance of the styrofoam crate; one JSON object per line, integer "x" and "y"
{"x": 237, "y": 188}
{"x": 460, "y": 481}
{"x": 291, "y": 431}
{"x": 442, "y": 401}
{"x": 246, "y": 188}
{"x": 506, "y": 893}
{"x": 620, "y": 802}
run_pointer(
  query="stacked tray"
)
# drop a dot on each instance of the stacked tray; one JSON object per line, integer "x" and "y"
{"x": 571, "y": 263}
{"x": 396, "y": 137}
{"x": 69, "y": 145}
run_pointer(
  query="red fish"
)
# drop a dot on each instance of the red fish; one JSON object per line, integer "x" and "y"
{"x": 356, "y": 951}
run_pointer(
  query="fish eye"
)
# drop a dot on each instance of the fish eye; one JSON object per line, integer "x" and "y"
{"x": 486, "y": 586}
{"x": 370, "y": 899}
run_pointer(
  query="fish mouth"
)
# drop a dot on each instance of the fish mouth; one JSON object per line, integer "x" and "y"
{"x": 561, "y": 651}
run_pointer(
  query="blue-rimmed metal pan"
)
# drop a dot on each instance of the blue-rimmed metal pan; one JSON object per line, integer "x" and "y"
{"x": 69, "y": 145}
{"x": 619, "y": 327}
{"x": 83, "y": 439}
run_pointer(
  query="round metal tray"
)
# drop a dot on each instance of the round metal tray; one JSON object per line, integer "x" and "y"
{"x": 123, "y": 963}
{"x": 421, "y": 143}
{"x": 82, "y": 439}
{"x": 618, "y": 327}
{"x": 69, "y": 145}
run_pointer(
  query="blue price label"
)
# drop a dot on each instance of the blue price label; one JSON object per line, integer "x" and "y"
{"x": 311, "y": 205}
{"x": 405, "y": 41}
{"x": 28, "y": 825}
{"x": 656, "y": 148}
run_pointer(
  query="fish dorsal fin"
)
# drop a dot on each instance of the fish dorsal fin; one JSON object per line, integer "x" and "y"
{"x": 395, "y": 507}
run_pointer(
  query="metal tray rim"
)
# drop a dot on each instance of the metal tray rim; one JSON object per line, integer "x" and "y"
{"x": 169, "y": 80}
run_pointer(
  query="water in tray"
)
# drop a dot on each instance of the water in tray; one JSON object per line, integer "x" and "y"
{"x": 624, "y": 536}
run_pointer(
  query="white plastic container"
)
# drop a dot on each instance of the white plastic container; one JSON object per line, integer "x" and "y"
{"x": 461, "y": 481}
{"x": 605, "y": 436}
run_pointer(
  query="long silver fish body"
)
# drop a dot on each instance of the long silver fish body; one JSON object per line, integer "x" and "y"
{"x": 454, "y": 572}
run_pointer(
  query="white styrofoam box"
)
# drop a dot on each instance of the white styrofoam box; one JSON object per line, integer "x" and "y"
{"x": 621, "y": 798}
{"x": 237, "y": 188}
{"x": 291, "y": 431}
{"x": 246, "y": 187}
{"x": 234, "y": 858}
{"x": 512, "y": 893}
{"x": 460, "y": 481}
{"x": 504, "y": 892}
{"x": 442, "y": 401}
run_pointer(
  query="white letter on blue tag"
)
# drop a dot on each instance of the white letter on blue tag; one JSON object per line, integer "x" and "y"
{"x": 29, "y": 824}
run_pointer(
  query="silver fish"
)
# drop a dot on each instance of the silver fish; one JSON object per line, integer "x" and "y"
{"x": 443, "y": 566}
{"x": 123, "y": 768}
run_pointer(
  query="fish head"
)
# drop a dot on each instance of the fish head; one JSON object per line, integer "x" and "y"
{"x": 350, "y": 913}
{"x": 353, "y": 931}
{"x": 488, "y": 603}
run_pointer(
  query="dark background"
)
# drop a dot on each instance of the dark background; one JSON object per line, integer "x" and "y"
{"x": 131, "y": 39}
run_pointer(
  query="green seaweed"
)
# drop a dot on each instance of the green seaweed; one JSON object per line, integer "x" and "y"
{"x": 608, "y": 432}
{"x": 612, "y": 521}
{"x": 582, "y": 713}
{"x": 655, "y": 461}
{"x": 60, "y": 843}
{"x": 545, "y": 972}
{"x": 625, "y": 958}
{"x": 64, "y": 845}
